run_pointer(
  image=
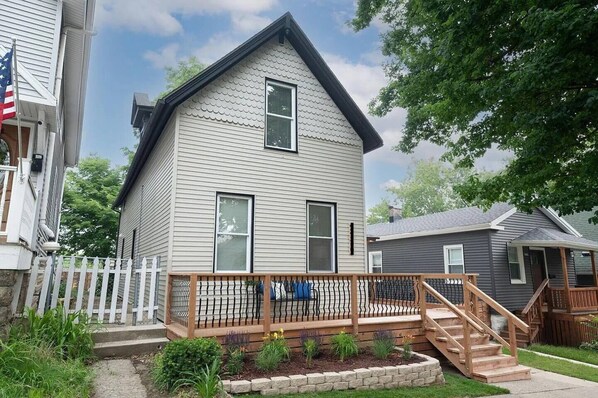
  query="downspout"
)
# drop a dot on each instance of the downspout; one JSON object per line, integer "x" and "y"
{"x": 46, "y": 189}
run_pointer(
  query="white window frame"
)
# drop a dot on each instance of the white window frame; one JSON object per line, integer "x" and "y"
{"x": 293, "y": 117}
{"x": 522, "y": 280}
{"x": 446, "y": 249}
{"x": 371, "y": 261}
{"x": 332, "y": 207}
{"x": 249, "y": 233}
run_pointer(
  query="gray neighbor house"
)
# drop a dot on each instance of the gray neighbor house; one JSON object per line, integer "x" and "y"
{"x": 514, "y": 253}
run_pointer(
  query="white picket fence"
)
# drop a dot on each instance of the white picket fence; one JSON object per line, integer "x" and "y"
{"x": 74, "y": 281}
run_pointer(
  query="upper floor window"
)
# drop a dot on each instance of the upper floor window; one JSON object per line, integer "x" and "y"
{"x": 234, "y": 227}
{"x": 281, "y": 116}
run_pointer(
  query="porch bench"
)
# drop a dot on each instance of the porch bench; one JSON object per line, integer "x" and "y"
{"x": 290, "y": 292}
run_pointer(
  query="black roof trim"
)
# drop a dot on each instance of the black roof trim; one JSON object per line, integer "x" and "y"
{"x": 165, "y": 106}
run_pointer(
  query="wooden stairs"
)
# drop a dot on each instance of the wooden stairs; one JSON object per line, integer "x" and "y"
{"x": 489, "y": 365}
{"x": 464, "y": 339}
{"x": 522, "y": 338}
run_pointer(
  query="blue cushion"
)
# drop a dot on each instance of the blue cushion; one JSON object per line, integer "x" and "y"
{"x": 272, "y": 293}
{"x": 302, "y": 290}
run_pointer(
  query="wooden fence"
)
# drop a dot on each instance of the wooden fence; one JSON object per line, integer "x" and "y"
{"x": 107, "y": 290}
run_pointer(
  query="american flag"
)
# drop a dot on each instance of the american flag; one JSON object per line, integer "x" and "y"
{"x": 7, "y": 102}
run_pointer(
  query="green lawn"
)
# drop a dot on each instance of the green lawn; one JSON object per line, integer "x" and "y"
{"x": 456, "y": 386}
{"x": 577, "y": 354}
{"x": 557, "y": 366}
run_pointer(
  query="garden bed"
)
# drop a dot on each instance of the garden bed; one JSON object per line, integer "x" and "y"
{"x": 327, "y": 373}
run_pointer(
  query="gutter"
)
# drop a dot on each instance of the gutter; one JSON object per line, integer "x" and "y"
{"x": 452, "y": 230}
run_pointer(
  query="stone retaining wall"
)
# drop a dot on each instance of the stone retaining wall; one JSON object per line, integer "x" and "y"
{"x": 414, "y": 375}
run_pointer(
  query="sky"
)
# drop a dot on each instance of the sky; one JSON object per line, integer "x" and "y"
{"x": 137, "y": 39}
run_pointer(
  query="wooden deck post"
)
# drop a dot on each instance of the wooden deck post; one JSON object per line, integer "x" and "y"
{"x": 512, "y": 338}
{"x": 167, "y": 320}
{"x": 466, "y": 328}
{"x": 354, "y": 305}
{"x": 422, "y": 298}
{"x": 192, "y": 305}
{"x": 266, "y": 296}
{"x": 565, "y": 278}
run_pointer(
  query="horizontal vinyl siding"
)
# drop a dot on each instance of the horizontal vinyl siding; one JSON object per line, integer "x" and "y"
{"x": 216, "y": 157}
{"x": 153, "y": 227}
{"x": 516, "y": 296}
{"x": 33, "y": 23}
{"x": 426, "y": 254}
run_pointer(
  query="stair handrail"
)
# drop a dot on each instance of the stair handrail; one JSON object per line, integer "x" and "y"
{"x": 452, "y": 307}
{"x": 497, "y": 307}
{"x": 535, "y": 297}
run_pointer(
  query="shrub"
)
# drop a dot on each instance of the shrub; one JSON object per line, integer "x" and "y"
{"x": 407, "y": 346}
{"x": 69, "y": 333}
{"x": 383, "y": 344}
{"x": 235, "y": 361}
{"x": 592, "y": 345}
{"x": 235, "y": 344}
{"x": 311, "y": 341}
{"x": 274, "y": 350}
{"x": 184, "y": 358}
{"x": 207, "y": 382}
{"x": 344, "y": 345}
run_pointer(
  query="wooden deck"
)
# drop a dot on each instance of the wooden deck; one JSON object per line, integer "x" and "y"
{"x": 442, "y": 314}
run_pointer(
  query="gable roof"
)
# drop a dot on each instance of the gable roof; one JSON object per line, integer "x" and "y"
{"x": 284, "y": 27}
{"x": 452, "y": 221}
{"x": 553, "y": 238}
{"x": 458, "y": 220}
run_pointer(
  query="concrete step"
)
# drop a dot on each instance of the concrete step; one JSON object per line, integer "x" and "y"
{"x": 511, "y": 373}
{"x": 122, "y": 333}
{"x": 481, "y": 350}
{"x": 127, "y": 348}
{"x": 492, "y": 362}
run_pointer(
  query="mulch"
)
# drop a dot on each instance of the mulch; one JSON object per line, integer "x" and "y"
{"x": 326, "y": 362}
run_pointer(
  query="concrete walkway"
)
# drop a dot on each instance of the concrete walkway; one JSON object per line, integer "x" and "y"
{"x": 550, "y": 385}
{"x": 117, "y": 378}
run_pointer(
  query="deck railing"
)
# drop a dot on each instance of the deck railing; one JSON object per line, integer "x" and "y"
{"x": 207, "y": 301}
{"x": 578, "y": 299}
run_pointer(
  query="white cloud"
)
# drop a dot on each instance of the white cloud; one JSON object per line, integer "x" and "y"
{"x": 159, "y": 17}
{"x": 167, "y": 56}
{"x": 388, "y": 184}
{"x": 216, "y": 47}
{"x": 249, "y": 23}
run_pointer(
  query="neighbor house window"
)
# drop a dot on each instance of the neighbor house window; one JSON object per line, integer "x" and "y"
{"x": 321, "y": 237}
{"x": 516, "y": 264}
{"x": 234, "y": 224}
{"x": 376, "y": 262}
{"x": 281, "y": 114}
{"x": 453, "y": 259}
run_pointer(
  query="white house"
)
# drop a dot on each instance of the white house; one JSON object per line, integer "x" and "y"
{"x": 53, "y": 47}
{"x": 254, "y": 165}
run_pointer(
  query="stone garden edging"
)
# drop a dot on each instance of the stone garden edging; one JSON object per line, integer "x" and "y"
{"x": 418, "y": 374}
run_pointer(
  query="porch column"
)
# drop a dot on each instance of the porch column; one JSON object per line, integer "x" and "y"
{"x": 594, "y": 274}
{"x": 566, "y": 277}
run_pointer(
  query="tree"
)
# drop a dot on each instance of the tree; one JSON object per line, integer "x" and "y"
{"x": 522, "y": 75}
{"x": 88, "y": 224}
{"x": 429, "y": 188}
{"x": 379, "y": 213}
{"x": 184, "y": 71}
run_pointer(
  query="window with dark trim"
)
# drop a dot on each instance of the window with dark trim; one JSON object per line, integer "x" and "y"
{"x": 133, "y": 244}
{"x": 281, "y": 116}
{"x": 321, "y": 237}
{"x": 234, "y": 233}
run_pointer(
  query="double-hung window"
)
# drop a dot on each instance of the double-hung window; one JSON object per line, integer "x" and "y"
{"x": 376, "y": 262}
{"x": 516, "y": 264}
{"x": 281, "y": 116}
{"x": 234, "y": 225}
{"x": 321, "y": 237}
{"x": 453, "y": 259}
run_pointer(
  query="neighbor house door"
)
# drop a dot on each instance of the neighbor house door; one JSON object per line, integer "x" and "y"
{"x": 537, "y": 261}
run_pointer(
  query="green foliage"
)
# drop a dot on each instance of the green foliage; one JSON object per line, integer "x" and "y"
{"x": 236, "y": 344}
{"x": 178, "y": 75}
{"x": 517, "y": 75}
{"x": 274, "y": 351}
{"x": 35, "y": 369}
{"x": 379, "y": 213}
{"x": 88, "y": 223}
{"x": 590, "y": 346}
{"x": 344, "y": 345}
{"x": 383, "y": 343}
{"x": 69, "y": 333}
{"x": 235, "y": 361}
{"x": 311, "y": 342}
{"x": 206, "y": 382}
{"x": 185, "y": 357}
{"x": 407, "y": 352}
